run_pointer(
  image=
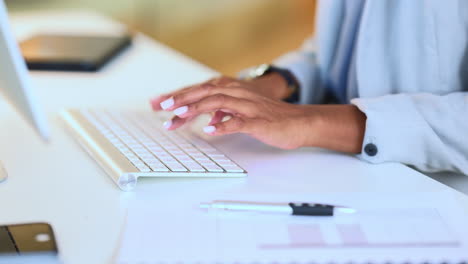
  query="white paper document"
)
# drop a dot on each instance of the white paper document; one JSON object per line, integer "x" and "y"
{"x": 421, "y": 227}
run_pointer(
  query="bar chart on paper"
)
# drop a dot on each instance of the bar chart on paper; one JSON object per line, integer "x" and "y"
{"x": 399, "y": 228}
{"x": 395, "y": 229}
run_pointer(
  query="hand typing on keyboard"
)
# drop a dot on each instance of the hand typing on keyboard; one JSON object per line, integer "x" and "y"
{"x": 265, "y": 117}
{"x": 262, "y": 86}
{"x": 250, "y": 108}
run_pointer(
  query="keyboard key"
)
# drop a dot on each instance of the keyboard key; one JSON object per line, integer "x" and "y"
{"x": 168, "y": 159}
{"x": 152, "y": 162}
{"x": 202, "y": 159}
{"x": 213, "y": 168}
{"x": 158, "y": 167}
{"x": 176, "y": 167}
{"x": 207, "y": 162}
{"x": 234, "y": 168}
{"x": 217, "y": 156}
{"x": 144, "y": 169}
{"x": 177, "y": 152}
{"x": 138, "y": 163}
{"x": 193, "y": 166}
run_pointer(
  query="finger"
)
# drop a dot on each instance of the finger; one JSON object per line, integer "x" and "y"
{"x": 218, "y": 117}
{"x": 175, "y": 122}
{"x": 234, "y": 125}
{"x": 166, "y": 101}
{"x": 156, "y": 101}
{"x": 221, "y": 81}
{"x": 205, "y": 90}
{"x": 213, "y": 103}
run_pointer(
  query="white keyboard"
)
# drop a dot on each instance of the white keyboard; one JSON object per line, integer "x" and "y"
{"x": 129, "y": 145}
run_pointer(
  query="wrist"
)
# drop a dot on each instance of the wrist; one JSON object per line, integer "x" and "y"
{"x": 272, "y": 85}
{"x": 311, "y": 121}
{"x": 335, "y": 127}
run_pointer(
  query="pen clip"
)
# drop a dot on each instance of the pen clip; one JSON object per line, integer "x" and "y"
{"x": 311, "y": 209}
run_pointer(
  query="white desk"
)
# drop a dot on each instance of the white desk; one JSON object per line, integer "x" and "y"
{"x": 60, "y": 184}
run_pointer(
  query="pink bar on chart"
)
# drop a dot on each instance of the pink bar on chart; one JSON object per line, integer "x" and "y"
{"x": 352, "y": 234}
{"x": 305, "y": 235}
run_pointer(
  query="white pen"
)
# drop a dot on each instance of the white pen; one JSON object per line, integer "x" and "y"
{"x": 311, "y": 209}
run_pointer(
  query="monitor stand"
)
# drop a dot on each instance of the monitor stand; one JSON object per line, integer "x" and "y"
{"x": 3, "y": 173}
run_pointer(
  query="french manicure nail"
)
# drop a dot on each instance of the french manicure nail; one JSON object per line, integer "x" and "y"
{"x": 167, "y": 103}
{"x": 209, "y": 129}
{"x": 181, "y": 110}
{"x": 167, "y": 124}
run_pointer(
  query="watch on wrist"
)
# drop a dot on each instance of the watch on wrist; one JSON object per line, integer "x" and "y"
{"x": 265, "y": 69}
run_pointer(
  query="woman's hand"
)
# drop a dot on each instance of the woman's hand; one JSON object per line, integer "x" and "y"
{"x": 269, "y": 120}
{"x": 272, "y": 86}
{"x": 274, "y": 122}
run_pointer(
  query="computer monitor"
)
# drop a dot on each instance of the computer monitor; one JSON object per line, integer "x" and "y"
{"x": 14, "y": 80}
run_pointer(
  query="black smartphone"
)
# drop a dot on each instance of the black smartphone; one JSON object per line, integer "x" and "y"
{"x": 20, "y": 243}
{"x": 72, "y": 53}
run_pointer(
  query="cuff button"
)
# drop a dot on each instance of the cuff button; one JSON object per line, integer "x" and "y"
{"x": 370, "y": 149}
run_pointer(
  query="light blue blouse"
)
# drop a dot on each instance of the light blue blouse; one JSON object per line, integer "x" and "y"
{"x": 342, "y": 72}
{"x": 410, "y": 64}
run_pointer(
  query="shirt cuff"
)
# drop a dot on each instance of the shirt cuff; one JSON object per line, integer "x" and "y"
{"x": 394, "y": 130}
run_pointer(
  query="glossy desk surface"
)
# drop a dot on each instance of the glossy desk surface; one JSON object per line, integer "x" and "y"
{"x": 58, "y": 182}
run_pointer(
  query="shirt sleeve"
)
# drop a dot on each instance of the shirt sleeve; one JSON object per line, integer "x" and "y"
{"x": 303, "y": 65}
{"x": 426, "y": 131}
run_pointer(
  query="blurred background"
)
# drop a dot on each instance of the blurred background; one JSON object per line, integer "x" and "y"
{"x": 227, "y": 35}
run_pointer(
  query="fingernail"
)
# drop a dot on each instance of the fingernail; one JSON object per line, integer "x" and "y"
{"x": 181, "y": 110}
{"x": 209, "y": 129}
{"x": 167, "y": 124}
{"x": 167, "y": 103}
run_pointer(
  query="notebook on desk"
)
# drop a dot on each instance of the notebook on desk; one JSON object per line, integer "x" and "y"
{"x": 390, "y": 228}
